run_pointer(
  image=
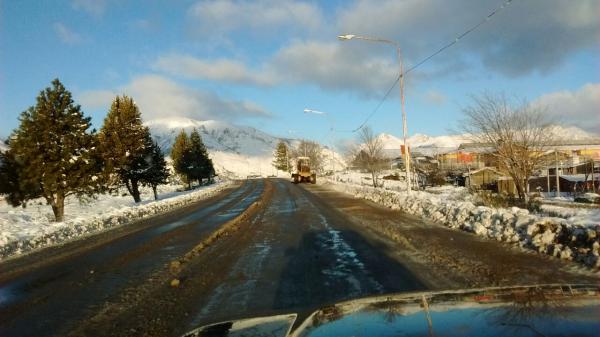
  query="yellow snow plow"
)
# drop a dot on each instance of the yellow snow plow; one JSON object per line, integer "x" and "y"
{"x": 303, "y": 172}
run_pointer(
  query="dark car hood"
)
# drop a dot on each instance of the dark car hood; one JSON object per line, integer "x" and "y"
{"x": 539, "y": 310}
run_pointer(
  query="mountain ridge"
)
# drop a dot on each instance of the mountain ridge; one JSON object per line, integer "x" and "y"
{"x": 439, "y": 144}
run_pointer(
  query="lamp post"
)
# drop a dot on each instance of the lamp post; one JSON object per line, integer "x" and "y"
{"x": 348, "y": 37}
{"x": 317, "y": 112}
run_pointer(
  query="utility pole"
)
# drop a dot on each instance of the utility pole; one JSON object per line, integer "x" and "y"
{"x": 548, "y": 181}
{"x": 593, "y": 181}
{"x": 404, "y": 127}
{"x": 557, "y": 178}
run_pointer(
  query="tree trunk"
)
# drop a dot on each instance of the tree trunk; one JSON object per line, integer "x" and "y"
{"x": 519, "y": 186}
{"x": 58, "y": 208}
{"x": 374, "y": 179}
{"x": 128, "y": 187}
{"x": 154, "y": 191}
{"x": 135, "y": 192}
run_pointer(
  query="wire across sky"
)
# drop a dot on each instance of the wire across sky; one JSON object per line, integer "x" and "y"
{"x": 418, "y": 64}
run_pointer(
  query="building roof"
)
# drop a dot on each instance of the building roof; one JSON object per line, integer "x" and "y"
{"x": 487, "y": 168}
{"x": 575, "y": 144}
{"x": 579, "y": 177}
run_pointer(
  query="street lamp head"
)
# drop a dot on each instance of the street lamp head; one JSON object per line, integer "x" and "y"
{"x": 346, "y": 37}
{"x": 313, "y": 111}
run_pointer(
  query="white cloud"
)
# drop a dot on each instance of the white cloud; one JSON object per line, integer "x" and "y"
{"x": 220, "y": 17}
{"x": 93, "y": 7}
{"x": 158, "y": 97}
{"x": 220, "y": 70}
{"x": 580, "y": 107}
{"x": 327, "y": 65}
{"x": 96, "y": 99}
{"x": 333, "y": 67}
{"x": 435, "y": 97}
{"x": 66, "y": 35}
{"x": 526, "y": 36}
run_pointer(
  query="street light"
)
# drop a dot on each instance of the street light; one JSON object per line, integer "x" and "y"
{"x": 314, "y": 112}
{"x": 331, "y": 126}
{"x": 348, "y": 37}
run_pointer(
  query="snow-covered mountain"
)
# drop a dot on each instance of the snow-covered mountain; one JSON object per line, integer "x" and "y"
{"x": 217, "y": 135}
{"x": 572, "y": 133}
{"x": 235, "y": 150}
{"x": 440, "y": 144}
{"x": 423, "y": 143}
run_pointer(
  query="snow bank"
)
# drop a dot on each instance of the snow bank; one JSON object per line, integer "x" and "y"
{"x": 574, "y": 215}
{"x": 24, "y": 230}
{"x": 452, "y": 208}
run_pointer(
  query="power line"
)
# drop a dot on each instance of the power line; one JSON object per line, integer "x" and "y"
{"x": 448, "y": 45}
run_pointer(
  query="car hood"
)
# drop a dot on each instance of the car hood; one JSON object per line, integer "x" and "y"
{"x": 538, "y": 310}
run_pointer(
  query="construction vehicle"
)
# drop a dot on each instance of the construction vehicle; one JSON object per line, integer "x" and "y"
{"x": 303, "y": 172}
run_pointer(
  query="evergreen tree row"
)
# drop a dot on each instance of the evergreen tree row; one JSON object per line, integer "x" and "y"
{"x": 190, "y": 158}
{"x": 53, "y": 154}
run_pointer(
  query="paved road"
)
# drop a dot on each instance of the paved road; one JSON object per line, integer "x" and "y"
{"x": 47, "y": 299}
{"x": 305, "y": 246}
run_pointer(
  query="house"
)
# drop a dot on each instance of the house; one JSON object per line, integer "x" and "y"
{"x": 506, "y": 185}
{"x": 468, "y": 155}
{"x": 485, "y": 178}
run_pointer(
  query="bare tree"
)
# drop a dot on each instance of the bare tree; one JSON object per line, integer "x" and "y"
{"x": 516, "y": 132}
{"x": 312, "y": 150}
{"x": 369, "y": 155}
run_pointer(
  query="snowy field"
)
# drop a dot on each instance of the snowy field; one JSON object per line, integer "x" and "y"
{"x": 567, "y": 233}
{"x": 25, "y": 229}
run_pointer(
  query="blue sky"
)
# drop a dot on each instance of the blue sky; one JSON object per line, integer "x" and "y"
{"x": 260, "y": 63}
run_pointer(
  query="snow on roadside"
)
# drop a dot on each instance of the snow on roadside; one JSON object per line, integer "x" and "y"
{"x": 574, "y": 215}
{"x": 23, "y": 230}
{"x": 550, "y": 235}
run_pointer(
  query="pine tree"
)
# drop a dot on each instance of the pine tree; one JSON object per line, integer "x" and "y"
{"x": 9, "y": 180}
{"x": 196, "y": 160}
{"x": 125, "y": 144}
{"x": 181, "y": 155}
{"x": 53, "y": 152}
{"x": 281, "y": 157}
{"x": 158, "y": 173}
{"x": 208, "y": 169}
{"x": 202, "y": 166}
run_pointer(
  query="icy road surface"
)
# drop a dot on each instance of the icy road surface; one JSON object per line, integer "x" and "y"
{"x": 292, "y": 248}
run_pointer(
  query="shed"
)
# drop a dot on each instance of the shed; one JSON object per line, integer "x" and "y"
{"x": 484, "y": 178}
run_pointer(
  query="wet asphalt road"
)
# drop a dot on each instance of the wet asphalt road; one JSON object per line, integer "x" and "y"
{"x": 43, "y": 301}
{"x": 304, "y": 248}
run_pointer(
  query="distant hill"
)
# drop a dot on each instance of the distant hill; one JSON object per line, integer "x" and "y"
{"x": 441, "y": 144}
{"x": 235, "y": 150}
{"x": 217, "y": 135}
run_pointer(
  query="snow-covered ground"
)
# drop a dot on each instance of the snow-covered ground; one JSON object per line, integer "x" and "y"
{"x": 588, "y": 217}
{"x": 25, "y": 229}
{"x": 572, "y": 234}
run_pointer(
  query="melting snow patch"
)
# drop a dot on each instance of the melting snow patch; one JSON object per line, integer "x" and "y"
{"x": 347, "y": 265}
{"x": 572, "y": 236}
